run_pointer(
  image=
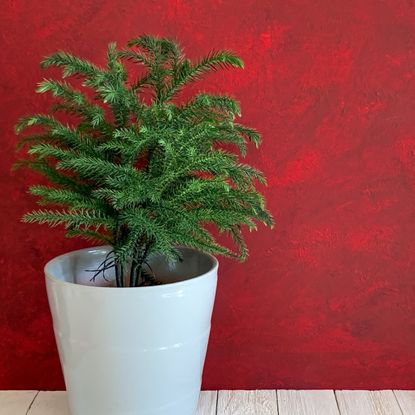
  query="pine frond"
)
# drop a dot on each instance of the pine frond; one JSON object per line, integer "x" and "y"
{"x": 34, "y": 139}
{"x": 243, "y": 175}
{"x": 143, "y": 222}
{"x": 64, "y": 134}
{"x": 158, "y": 47}
{"x": 74, "y": 218}
{"x": 238, "y": 238}
{"x": 44, "y": 150}
{"x": 72, "y": 65}
{"x": 66, "y": 197}
{"x": 124, "y": 250}
{"x": 95, "y": 168}
{"x": 62, "y": 90}
{"x": 76, "y": 100}
{"x": 187, "y": 72}
{"x": 49, "y": 171}
{"x": 135, "y": 56}
{"x": 112, "y": 56}
{"x": 36, "y": 119}
{"x": 90, "y": 236}
{"x": 223, "y": 103}
{"x": 250, "y": 133}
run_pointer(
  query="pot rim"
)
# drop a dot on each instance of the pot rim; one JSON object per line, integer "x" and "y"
{"x": 51, "y": 277}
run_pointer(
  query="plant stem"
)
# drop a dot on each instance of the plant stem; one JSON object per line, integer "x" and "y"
{"x": 119, "y": 275}
{"x": 133, "y": 274}
{"x": 119, "y": 268}
{"x": 135, "y": 264}
{"x": 137, "y": 267}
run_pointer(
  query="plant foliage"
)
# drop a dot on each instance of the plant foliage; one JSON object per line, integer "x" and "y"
{"x": 144, "y": 175}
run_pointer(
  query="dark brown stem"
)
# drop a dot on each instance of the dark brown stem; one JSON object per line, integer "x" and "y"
{"x": 133, "y": 274}
{"x": 137, "y": 268}
{"x": 119, "y": 268}
{"x": 135, "y": 264}
{"x": 119, "y": 275}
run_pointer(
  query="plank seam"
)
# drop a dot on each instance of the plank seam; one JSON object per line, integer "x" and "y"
{"x": 397, "y": 401}
{"x": 337, "y": 402}
{"x": 217, "y": 402}
{"x": 278, "y": 404}
{"x": 31, "y": 403}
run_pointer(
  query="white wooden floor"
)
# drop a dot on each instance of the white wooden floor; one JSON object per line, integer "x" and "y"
{"x": 259, "y": 402}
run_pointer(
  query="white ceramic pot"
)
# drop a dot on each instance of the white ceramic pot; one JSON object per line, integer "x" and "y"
{"x": 132, "y": 351}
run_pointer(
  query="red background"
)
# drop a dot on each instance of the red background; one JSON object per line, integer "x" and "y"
{"x": 327, "y": 298}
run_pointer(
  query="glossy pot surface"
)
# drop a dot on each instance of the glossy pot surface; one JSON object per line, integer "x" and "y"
{"x": 132, "y": 351}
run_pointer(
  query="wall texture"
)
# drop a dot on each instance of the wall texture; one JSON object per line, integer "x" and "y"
{"x": 327, "y": 299}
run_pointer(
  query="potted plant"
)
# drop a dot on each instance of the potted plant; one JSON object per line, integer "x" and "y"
{"x": 143, "y": 173}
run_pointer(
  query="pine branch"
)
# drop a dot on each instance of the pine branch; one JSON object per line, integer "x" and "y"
{"x": 74, "y": 218}
{"x": 76, "y": 100}
{"x": 159, "y": 48}
{"x": 49, "y": 171}
{"x": 187, "y": 72}
{"x": 61, "y": 133}
{"x": 135, "y": 56}
{"x": 66, "y": 197}
{"x": 95, "y": 168}
{"x": 72, "y": 65}
{"x": 34, "y": 139}
{"x": 90, "y": 236}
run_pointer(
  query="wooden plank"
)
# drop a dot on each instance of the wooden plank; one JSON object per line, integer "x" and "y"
{"x": 259, "y": 402}
{"x": 307, "y": 402}
{"x": 207, "y": 403}
{"x": 16, "y": 402}
{"x": 50, "y": 403}
{"x": 55, "y": 403}
{"x": 367, "y": 403}
{"x": 406, "y": 400}
{"x": 290, "y": 402}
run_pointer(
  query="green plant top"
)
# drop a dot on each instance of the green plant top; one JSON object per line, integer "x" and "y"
{"x": 137, "y": 170}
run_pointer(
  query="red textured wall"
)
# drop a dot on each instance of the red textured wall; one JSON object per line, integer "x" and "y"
{"x": 327, "y": 299}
